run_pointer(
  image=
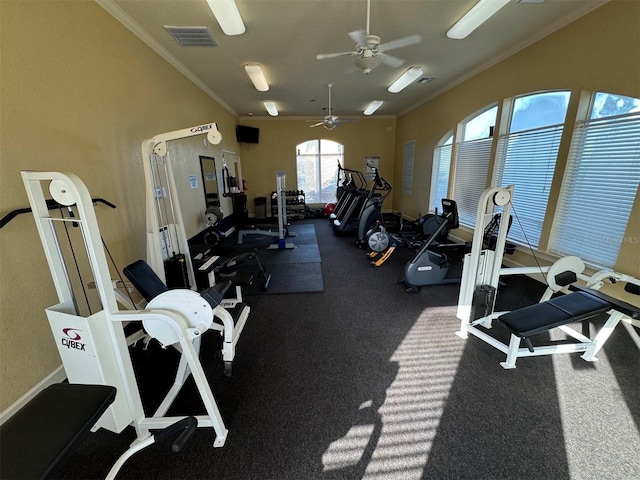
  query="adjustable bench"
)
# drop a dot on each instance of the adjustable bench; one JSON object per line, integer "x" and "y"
{"x": 581, "y": 304}
{"x": 229, "y": 322}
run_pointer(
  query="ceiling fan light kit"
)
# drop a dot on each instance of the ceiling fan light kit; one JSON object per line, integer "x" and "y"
{"x": 271, "y": 108}
{"x": 257, "y": 77}
{"x": 226, "y": 12}
{"x": 372, "y": 107}
{"x": 406, "y": 79}
{"x": 479, "y": 13}
{"x": 369, "y": 50}
{"x": 367, "y": 64}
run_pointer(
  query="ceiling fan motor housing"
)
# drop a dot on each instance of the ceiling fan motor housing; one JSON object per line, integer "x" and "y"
{"x": 367, "y": 63}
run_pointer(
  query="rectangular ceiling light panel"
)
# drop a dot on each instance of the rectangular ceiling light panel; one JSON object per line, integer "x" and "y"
{"x": 271, "y": 108}
{"x": 406, "y": 79}
{"x": 372, "y": 107}
{"x": 257, "y": 77}
{"x": 226, "y": 12}
{"x": 479, "y": 13}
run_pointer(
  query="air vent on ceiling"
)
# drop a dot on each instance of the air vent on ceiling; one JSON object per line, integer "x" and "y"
{"x": 192, "y": 36}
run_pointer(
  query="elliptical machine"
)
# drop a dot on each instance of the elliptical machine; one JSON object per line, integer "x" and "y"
{"x": 371, "y": 212}
{"x": 363, "y": 209}
{"x": 429, "y": 267}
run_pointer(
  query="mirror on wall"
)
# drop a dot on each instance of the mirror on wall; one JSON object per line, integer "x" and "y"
{"x": 210, "y": 181}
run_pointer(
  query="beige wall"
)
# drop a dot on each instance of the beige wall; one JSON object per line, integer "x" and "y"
{"x": 277, "y": 150}
{"x": 80, "y": 93}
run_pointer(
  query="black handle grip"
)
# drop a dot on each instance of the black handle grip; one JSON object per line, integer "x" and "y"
{"x": 186, "y": 427}
{"x": 184, "y": 437}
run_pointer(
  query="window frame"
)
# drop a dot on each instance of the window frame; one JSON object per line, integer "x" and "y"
{"x": 319, "y": 156}
{"x": 598, "y": 245}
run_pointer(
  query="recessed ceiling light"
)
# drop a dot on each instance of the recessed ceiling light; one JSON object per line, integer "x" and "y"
{"x": 257, "y": 77}
{"x": 479, "y": 13}
{"x": 372, "y": 107}
{"x": 226, "y": 12}
{"x": 406, "y": 79}
{"x": 271, "y": 108}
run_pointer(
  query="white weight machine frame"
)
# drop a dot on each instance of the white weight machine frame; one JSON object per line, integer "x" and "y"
{"x": 161, "y": 235}
{"x": 282, "y": 244}
{"x": 484, "y": 268}
{"x": 158, "y": 146}
{"x": 93, "y": 348}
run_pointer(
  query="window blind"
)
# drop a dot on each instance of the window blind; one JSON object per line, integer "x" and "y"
{"x": 599, "y": 187}
{"x": 440, "y": 176}
{"x": 472, "y": 165}
{"x": 527, "y": 160}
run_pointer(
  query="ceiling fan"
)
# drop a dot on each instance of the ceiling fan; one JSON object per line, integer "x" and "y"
{"x": 330, "y": 121}
{"x": 370, "y": 51}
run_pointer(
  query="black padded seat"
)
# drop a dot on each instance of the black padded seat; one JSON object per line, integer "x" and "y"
{"x": 540, "y": 317}
{"x": 38, "y": 438}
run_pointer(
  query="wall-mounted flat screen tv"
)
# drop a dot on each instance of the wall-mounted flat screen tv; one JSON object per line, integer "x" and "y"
{"x": 247, "y": 134}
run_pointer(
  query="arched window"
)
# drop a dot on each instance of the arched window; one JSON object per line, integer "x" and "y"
{"x": 440, "y": 171}
{"x": 600, "y": 181}
{"x": 317, "y": 169}
{"x": 473, "y": 152}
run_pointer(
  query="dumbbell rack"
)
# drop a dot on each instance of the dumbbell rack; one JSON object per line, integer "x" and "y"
{"x": 295, "y": 204}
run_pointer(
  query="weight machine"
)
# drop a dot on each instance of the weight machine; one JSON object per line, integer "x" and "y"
{"x": 92, "y": 345}
{"x": 166, "y": 236}
{"x": 480, "y": 280}
{"x": 282, "y": 244}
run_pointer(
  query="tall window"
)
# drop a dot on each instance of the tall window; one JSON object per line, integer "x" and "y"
{"x": 440, "y": 172}
{"x": 526, "y": 157}
{"x": 317, "y": 169}
{"x": 472, "y": 163}
{"x": 600, "y": 181}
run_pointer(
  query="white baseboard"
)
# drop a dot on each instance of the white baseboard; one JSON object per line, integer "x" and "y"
{"x": 57, "y": 376}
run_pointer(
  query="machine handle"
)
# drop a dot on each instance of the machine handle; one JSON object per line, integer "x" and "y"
{"x": 187, "y": 426}
{"x": 51, "y": 204}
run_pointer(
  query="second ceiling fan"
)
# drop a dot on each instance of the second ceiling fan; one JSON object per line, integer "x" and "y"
{"x": 330, "y": 121}
{"x": 369, "y": 50}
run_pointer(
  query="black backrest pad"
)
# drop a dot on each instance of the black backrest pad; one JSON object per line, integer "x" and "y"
{"x": 617, "y": 304}
{"x": 450, "y": 206}
{"x": 145, "y": 279}
{"x": 561, "y": 310}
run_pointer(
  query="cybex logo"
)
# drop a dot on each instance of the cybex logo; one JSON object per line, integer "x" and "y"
{"x": 202, "y": 128}
{"x": 72, "y": 340}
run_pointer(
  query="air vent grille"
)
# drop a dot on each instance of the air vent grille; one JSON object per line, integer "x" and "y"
{"x": 192, "y": 36}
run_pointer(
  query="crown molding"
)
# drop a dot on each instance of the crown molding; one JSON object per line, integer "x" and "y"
{"x": 134, "y": 27}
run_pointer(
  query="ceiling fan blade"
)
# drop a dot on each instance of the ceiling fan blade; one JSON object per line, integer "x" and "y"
{"x": 346, "y": 120}
{"x": 390, "y": 60}
{"x": 330, "y": 127}
{"x": 400, "y": 42}
{"x": 316, "y": 124}
{"x": 322, "y": 56}
{"x": 359, "y": 37}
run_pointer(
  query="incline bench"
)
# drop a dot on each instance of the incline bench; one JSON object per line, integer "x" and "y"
{"x": 581, "y": 304}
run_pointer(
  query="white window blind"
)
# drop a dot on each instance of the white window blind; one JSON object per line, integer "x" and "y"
{"x": 527, "y": 160}
{"x": 440, "y": 176}
{"x": 599, "y": 187}
{"x": 472, "y": 165}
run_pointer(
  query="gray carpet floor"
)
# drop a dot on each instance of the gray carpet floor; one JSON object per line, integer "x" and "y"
{"x": 366, "y": 381}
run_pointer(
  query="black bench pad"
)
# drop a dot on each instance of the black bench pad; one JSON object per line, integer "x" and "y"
{"x": 36, "y": 440}
{"x": 558, "y": 311}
